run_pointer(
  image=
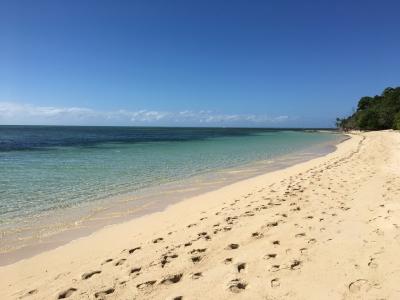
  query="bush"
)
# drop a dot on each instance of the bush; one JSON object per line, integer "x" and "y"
{"x": 375, "y": 113}
{"x": 396, "y": 122}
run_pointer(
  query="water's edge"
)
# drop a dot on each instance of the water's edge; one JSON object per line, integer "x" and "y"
{"x": 122, "y": 210}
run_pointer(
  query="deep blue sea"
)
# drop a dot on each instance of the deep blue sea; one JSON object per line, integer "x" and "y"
{"x": 46, "y": 170}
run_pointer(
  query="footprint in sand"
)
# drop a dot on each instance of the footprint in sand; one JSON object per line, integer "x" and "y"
{"x": 135, "y": 270}
{"x": 240, "y": 267}
{"x": 204, "y": 235}
{"x": 312, "y": 241}
{"x": 237, "y": 286}
{"x": 104, "y": 293}
{"x": 275, "y": 283}
{"x": 300, "y": 235}
{"x": 197, "y": 275}
{"x": 146, "y": 284}
{"x": 357, "y": 285}
{"x": 372, "y": 263}
{"x": 295, "y": 265}
{"x": 272, "y": 224}
{"x": 167, "y": 259}
{"x": 133, "y": 250}
{"x": 196, "y": 259}
{"x": 66, "y": 293}
{"x": 31, "y": 292}
{"x": 232, "y": 246}
{"x": 228, "y": 260}
{"x": 158, "y": 240}
{"x": 120, "y": 262}
{"x": 270, "y": 255}
{"x": 275, "y": 268}
{"x": 196, "y": 251}
{"x": 257, "y": 235}
{"x": 171, "y": 279}
{"x": 303, "y": 250}
{"x": 107, "y": 261}
{"x": 90, "y": 274}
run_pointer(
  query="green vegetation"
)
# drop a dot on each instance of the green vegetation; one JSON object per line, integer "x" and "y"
{"x": 375, "y": 113}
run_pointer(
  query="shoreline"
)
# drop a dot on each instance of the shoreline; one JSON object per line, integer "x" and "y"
{"x": 324, "y": 228}
{"x": 156, "y": 201}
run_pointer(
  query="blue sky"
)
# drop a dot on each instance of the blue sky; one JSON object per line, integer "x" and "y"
{"x": 198, "y": 63}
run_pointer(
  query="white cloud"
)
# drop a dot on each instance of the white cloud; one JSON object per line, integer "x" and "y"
{"x": 17, "y": 113}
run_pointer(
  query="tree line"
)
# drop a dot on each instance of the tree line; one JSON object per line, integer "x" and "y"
{"x": 375, "y": 113}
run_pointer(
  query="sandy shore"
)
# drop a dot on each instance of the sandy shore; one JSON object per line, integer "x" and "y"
{"x": 328, "y": 228}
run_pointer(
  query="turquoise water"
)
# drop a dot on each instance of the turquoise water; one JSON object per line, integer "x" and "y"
{"x": 45, "y": 170}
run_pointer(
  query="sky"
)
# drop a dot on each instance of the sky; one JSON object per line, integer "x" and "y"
{"x": 194, "y": 63}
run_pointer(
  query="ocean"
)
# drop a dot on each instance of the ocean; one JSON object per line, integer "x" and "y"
{"x": 57, "y": 178}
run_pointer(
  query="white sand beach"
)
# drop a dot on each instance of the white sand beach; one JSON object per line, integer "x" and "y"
{"x": 328, "y": 228}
